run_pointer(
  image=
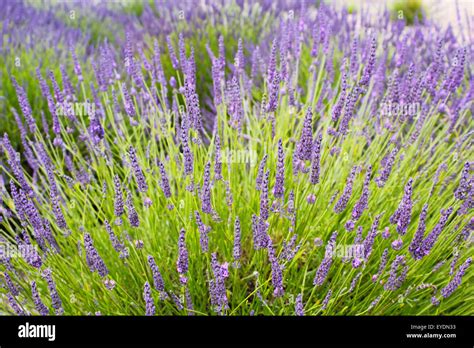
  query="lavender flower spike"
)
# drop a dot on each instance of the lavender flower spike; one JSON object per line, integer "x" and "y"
{"x": 132, "y": 213}
{"x": 305, "y": 145}
{"x": 157, "y": 278}
{"x": 237, "y": 242}
{"x": 165, "y": 185}
{"x": 457, "y": 279}
{"x": 279, "y": 188}
{"x": 315, "y": 160}
{"x": 346, "y": 193}
{"x": 261, "y": 173}
{"x": 142, "y": 185}
{"x": 149, "y": 303}
{"x": 299, "y": 309}
{"x": 402, "y": 215}
{"x": 56, "y": 300}
{"x": 94, "y": 261}
{"x": 39, "y": 305}
{"x": 182, "y": 263}
{"x": 118, "y": 200}
{"x": 325, "y": 265}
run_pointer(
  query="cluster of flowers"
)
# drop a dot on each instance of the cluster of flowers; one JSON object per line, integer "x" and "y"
{"x": 145, "y": 166}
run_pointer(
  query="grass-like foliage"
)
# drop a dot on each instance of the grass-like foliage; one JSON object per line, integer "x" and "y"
{"x": 234, "y": 158}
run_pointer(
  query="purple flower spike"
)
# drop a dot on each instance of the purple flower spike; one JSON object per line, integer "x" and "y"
{"x": 277, "y": 276}
{"x": 157, "y": 278}
{"x": 132, "y": 213}
{"x": 56, "y": 300}
{"x": 299, "y": 308}
{"x": 206, "y": 205}
{"x": 463, "y": 188}
{"x": 261, "y": 173}
{"x": 305, "y": 145}
{"x": 279, "y": 188}
{"x": 218, "y": 159}
{"x": 457, "y": 279}
{"x": 142, "y": 185}
{"x": 315, "y": 160}
{"x": 402, "y": 215}
{"x": 203, "y": 232}
{"x": 149, "y": 302}
{"x": 39, "y": 305}
{"x": 118, "y": 201}
{"x": 264, "y": 197}
{"x": 323, "y": 270}
{"x": 94, "y": 261}
{"x": 11, "y": 287}
{"x": 395, "y": 281}
{"x": 346, "y": 193}
{"x": 164, "y": 184}
{"x": 16, "y": 307}
{"x": 182, "y": 263}
{"x": 237, "y": 242}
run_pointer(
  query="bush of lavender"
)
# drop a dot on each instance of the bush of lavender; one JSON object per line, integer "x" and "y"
{"x": 234, "y": 158}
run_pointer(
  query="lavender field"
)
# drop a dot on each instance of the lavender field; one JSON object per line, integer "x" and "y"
{"x": 235, "y": 157}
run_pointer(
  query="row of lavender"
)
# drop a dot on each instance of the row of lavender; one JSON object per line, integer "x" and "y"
{"x": 143, "y": 177}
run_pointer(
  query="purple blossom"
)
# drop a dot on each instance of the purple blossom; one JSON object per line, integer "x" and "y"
{"x": 397, "y": 244}
{"x": 299, "y": 308}
{"x": 94, "y": 261}
{"x": 304, "y": 148}
{"x": 369, "y": 239}
{"x": 217, "y": 288}
{"x": 218, "y": 159}
{"x": 323, "y": 270}
{"x": 203, "y": 232}
{"x": 157, "y": 278}
{"x": 279, "y": 188}
{"x": 56, "y": 300}
{"x": 463, "y": 188}
{"x": 428, "y": 243}
{"x": 346, "y": 193}
{"x": 387, "y": 163}
{"x": 362, "y": 203}
{"x": 15, "y": 306}
{"x": 277, "y": 276}
{"x": 164, "y": 184}
{"x": 326, "y": 299}
{"x": 315, "y": 160}
{"x": 182, "y": 263}
{"x": 24, "y": 105}
{"x": 11, "y": 287}
{"x": 142, "y": 185}
{"x": 264, "y": 197}
{"x": 395, "y": 280}
{"x": 206, "y": 205}
{"x": 260, "y": 235}
{"x": 261, "y": 173}
{"x": 402, "y": 216}
{"x": 456, "y": 280}
{"x": 132, "y": 213}
{"x": 118, "y": 200}
{"x": 415, "y": 246}
{"x": 237, "y": 242}
{"x": 149, "y": 302}
{"x": 39, "y": 305}
{"x": 116, "y": 243}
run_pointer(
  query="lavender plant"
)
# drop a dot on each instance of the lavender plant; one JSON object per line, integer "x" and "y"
{"x": 298, "y": 160}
